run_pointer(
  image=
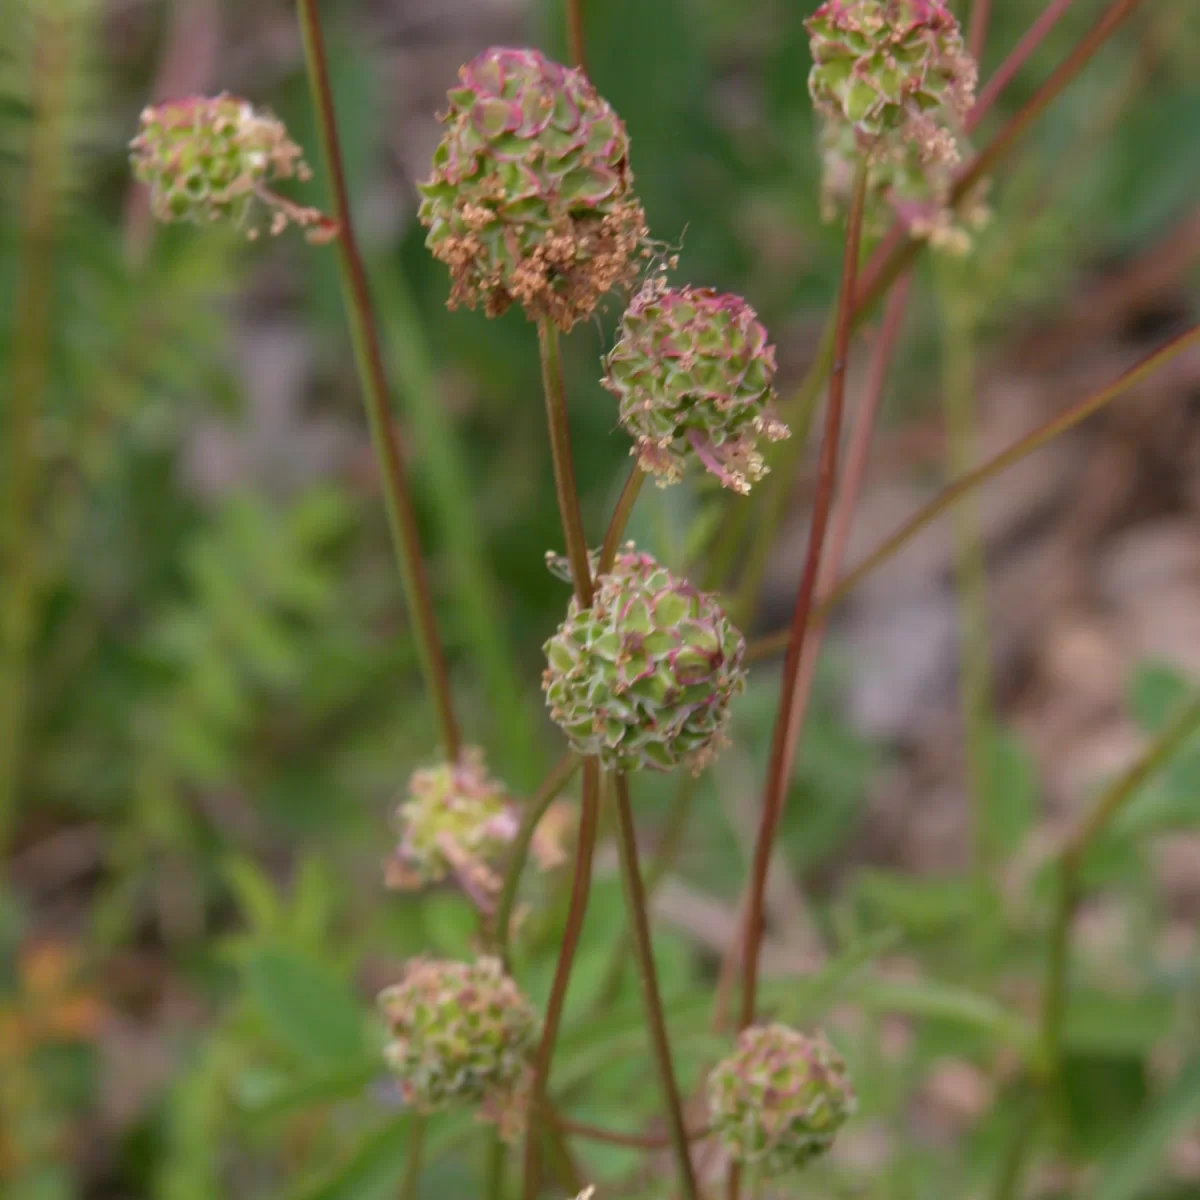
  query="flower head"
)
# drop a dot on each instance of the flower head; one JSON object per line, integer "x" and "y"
{"x": 208, "y": 159}
{"x": 892, "y": 68}
{"x": 778, "y": 1100}
{"x": 531, "y": 196}
{"x": 693, "y": 371}
{"x": 644, "y": 677}
{"x": 461, "y": 1034}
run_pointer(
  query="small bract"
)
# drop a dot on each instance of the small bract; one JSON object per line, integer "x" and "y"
{"x": 531, "y": 196}
{"x": 778, "y": 1100}
{"x": 694, "y": 374}
{"x": 462, "y": 1034}
{"x": 645, "y": 676}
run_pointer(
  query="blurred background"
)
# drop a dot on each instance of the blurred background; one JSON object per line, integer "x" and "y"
{"x": 221, "y": 699}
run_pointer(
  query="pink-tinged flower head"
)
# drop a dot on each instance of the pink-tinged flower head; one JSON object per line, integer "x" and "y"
{"x": 693, "y": 371}
{"x": 778, "y": 1100}
{"x": 531, "y": 196}
{"x": 645, "y": 676}
{"x": 214, "y": 158}
{"x": 892, "y": 69}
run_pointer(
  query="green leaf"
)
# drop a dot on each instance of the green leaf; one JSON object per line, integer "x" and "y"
{"x": 308, "y": 1008}
{"x": 1011, "y": 793}
{"x": 1156, "y": 694}
{"x": 1104, "y": 1023}
{"x": 373, "y": 1172}
{"x": 1137, "y": 1157}
{"x": 279, "y": 1096}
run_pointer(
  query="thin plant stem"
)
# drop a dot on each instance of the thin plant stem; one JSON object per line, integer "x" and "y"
{"x": 614, "y": 1137}
{"x": 779, "y": 768}
{"x": 535, "y": 809}
{"x": 564, "y": 467}
{"x": 410, "y": 1188}
{"x": 31, "y": 335}
{"x": 1016, "y": 59}
{"x": 643, "y": 949}
{"x": 975, "y": 685}
{"x": 977, "y": 31}
{"x": 620, "y": 518}
{"x": 772, "y": 643}
{"x": 1054, "y": 1001}
{"x": 368, "y": 358}
{"x": 493, "y": 1169}
{"x": 661, "y": 863}
{"x": 575, "y": 33}
{"x": 576, "y": 911}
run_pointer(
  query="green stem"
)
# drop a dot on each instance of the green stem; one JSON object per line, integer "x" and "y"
{"x": 535, "y": 809}
{"x": 772, "y": 643}
{"x": 31, "y": 334}
{"x": 564, "y": 467}
{"x": 410, "y": 1188}
{"x": 643, "y": 948}
{"x": 493, "y": 1172}
{"x": 369, "y": 361}
{"x": 620, "y": 518}
{"x": 779, "y": 768}
{"x": 1054, "y": 1001}
{"x": 975, "y": 680}
{"x": 576, "y": 911}
{"x": 662, "y": 862}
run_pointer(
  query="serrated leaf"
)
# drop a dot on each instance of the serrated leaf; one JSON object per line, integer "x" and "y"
{"x": 305, "y": 1006}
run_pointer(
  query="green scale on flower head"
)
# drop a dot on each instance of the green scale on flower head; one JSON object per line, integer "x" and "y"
{"x": 212, "y": 159}
{"x": 644, "y": 677}
{"x": 531, "y": 196}
{"x": 462, "y": 1034}
{"x": 777, "y": 1101}
{"x": 892, "y": 69}
{"x": 694, "y": 374}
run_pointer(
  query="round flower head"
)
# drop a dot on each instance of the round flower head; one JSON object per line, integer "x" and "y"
{"x": 901, "y": 186}
{"x": 892, "y": 68}
{"x": 461, "y": 1033}
{"x": 778, "y": 1099}
{"x": 208, "y": 159}
{"x": 644, "y": 677}
{"x": 531, "y": 196}
{"x": 693, "y": 372}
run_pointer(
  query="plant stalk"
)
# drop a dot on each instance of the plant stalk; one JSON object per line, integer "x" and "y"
{"x": 780, "y": 765}
{"x": 575, "y": 33}
{"x": 620, "y": 518}
{"x": 580, "y": 886}
{"x": 369, "y": 361}
{"x": 411, "y": 1186}
{"x": 643, "y": 949}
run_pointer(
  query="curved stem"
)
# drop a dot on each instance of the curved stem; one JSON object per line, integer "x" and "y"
{"x": 576, "y": 911}
{"x": 780, "y": 765}
{"x": 535, "y": 808}
{"x": 771, "y": 644}
{"x": 620, "y": 518}
{"x": 369, "y": 361}
{"x": 564, "y": 466}
{"x": 416, "y": 1149}
{"x": 643, "y": 949}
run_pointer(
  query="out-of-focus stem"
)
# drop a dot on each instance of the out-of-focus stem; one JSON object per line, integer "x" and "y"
{"x": 772, "y": 643}
{"x": 416, "y": 1152}
{"x": 368, "y": 358}
{"x": 581, "y": 883}
{"x": 535, "y": 810}
{"x": 780, "y": 764}
{"x": 643, "y": 949}
{"x": 981, "y": 12}
{"x": 30, "y": 372}
{"x": 958, "y": 402}
{"x": 613, "y": 1137}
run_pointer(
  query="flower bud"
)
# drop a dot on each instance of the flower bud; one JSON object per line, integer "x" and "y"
{"x": 531, "y": 196}
{"x": 644, "y": 677}
{"x": 778, "y": 1100}
{"x": 892, "y": 69}
{"x": 461, "y": 1033}
{"x": 693, "y": 371}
